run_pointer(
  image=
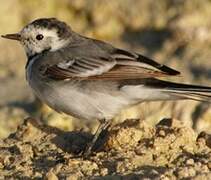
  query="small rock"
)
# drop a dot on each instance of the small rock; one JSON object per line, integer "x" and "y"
{"x": 162, "y": 133}
{"x": 209, "y": 165}
{"x": 74, "y": 176}
{"x": 190, "y": 162}
{"x": 51, "y": 176}
{"x": 103, "y": 171}
{"x": 186, "y": 172}
{"x": 206, "y": 137}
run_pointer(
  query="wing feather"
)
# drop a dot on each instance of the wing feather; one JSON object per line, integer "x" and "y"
{"x": 119, "y": 65}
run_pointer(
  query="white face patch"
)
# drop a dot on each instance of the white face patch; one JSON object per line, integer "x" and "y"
{"x": 50, "y": 40}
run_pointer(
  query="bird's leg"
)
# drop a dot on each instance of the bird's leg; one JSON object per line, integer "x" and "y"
{"x": 103, "y": 125}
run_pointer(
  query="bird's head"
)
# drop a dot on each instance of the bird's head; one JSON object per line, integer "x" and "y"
{"x": 43, "y": 34}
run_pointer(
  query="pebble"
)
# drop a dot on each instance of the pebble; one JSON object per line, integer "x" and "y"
{"x": 51, "y": 176}
{"x": 190, "y": 162}
{"x": 162, "y": 133}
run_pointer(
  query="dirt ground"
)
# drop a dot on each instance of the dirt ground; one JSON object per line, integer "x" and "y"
{"x": 132, "y": 150}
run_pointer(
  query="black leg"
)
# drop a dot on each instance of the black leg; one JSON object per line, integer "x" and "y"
{"x": 103, "y": 125}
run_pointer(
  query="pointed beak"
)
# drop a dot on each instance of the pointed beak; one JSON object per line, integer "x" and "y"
{"x": 15, "y": 36}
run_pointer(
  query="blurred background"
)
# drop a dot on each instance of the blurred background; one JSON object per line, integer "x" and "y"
{"x": 174, "y": 32}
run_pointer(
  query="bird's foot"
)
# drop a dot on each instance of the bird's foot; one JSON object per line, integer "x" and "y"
{"x": 90, "y": 146}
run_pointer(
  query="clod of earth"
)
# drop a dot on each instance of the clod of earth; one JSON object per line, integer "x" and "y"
{"x": 133, "y": 149}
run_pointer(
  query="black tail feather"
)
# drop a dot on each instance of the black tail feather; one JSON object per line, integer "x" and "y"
{"x": 182, "y": 91}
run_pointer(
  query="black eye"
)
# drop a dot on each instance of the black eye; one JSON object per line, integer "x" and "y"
{"x": 39, "y": 37}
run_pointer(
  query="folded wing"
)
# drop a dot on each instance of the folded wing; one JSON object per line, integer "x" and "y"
{"x": 118, "y": 65}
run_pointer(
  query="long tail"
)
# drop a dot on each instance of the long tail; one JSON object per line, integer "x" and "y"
{"x": 181, "y": 91}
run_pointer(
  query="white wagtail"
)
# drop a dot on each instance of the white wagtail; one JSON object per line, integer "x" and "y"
{"x": 90, "y": 79}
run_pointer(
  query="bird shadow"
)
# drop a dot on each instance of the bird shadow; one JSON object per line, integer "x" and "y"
{"x": 73, "y": 142}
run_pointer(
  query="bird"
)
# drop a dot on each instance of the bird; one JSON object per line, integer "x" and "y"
{"x": 91, "y": 79}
